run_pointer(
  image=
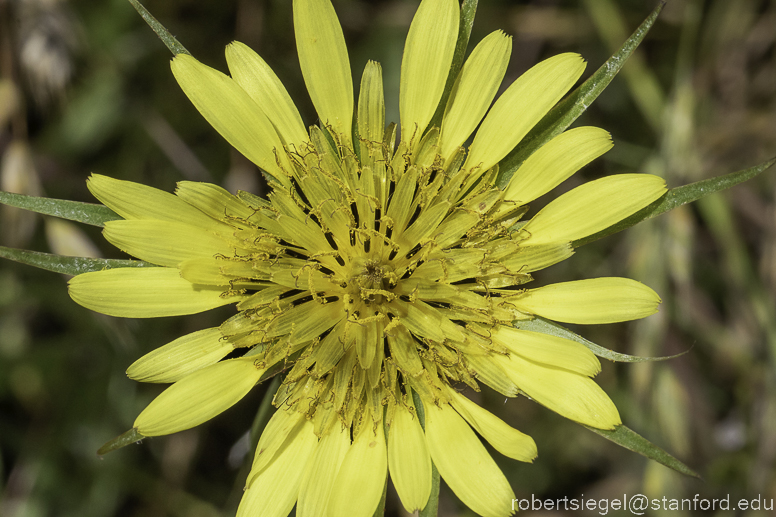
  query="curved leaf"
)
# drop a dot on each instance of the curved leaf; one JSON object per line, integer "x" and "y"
{"x": 567, "y": 111}
{"x": 128, "y": 438}
{"x": 66, "y": 265}
{"x": 164, "y": 35}
{"x": 680, "y": 196}
{"x": 87, "y": 213}
{"x": 633, "y": 441}
{"x": 553, "y": 329}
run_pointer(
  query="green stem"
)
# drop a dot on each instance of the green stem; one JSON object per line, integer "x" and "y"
{"x": 66, "y": 265}
{"x": 164, "y": 35}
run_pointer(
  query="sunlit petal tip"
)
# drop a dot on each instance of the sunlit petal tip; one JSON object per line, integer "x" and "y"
{"x": 595, "y": 300}
{"x": 143, "y": 293}
{"x": 255, "y": 76}
{"x": 133, "y": 200}
{"x": 521, "y": 106}
{"x": 474, "y": 90}
{"x": 593, "y": 206}
{"x": 428, "y": 53}
{"x": 409, "y": 461}
{"x": 231, "y": 111}
{"x": 552, "y": 351}
{"x": 199, "y": 397}
{"x": 465, "y": 464}
{"x": 555, "y": 162}
{"x": 175, "y": 360}
{"x": 574, "y": 396}
{"x": 323, "y": 57}
{"x": 508, "y": 441}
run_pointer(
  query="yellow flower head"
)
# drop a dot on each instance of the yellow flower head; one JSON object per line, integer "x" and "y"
{"x": 378, "y": 273}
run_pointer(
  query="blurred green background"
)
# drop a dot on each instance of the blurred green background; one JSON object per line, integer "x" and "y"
{"x": 85, "y": 87}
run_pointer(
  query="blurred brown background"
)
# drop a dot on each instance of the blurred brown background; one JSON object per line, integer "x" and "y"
{"x": 85, "y": 87}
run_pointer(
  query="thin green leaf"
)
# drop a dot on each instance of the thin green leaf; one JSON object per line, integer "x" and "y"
{"x": 566, "y": 112}
{"x": 432, "y": 507}
{"x": 164, "y": 35}
{"x": 88, "y": 213}
{"x": 553, "y": 329}
{"x": 128, "y": 438}
{"x": 633, "y": 441}
{"x": 66, "y": 265}
{"x": 468, "y": 10}
{"x": 680, "y": 196}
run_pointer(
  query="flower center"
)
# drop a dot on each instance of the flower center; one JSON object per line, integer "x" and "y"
{"x": 371, "y": 281}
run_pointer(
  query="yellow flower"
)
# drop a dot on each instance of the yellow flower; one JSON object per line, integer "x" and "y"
{"x": 375, "y": 271}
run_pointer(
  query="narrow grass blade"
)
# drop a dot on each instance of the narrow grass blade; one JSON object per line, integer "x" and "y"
{"x": 87, "y": 213}
{"x": 128, "y": 438}
{"x": 468, "y": 10}
{"x": 567, "y": 111}
{"x": 633, "y": 441}
{"x": 66, "y": 265}
{"x": 549, "y": 327}
{"x": 164, "y": 35}
{"x": 680, "y": 196}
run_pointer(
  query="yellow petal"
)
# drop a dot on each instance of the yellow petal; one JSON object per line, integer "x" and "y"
{"x": 408, "y": 460}
{"x": 592, "y": 207}
{"x": 361, "y": 476}
{"x": 165, "y": 243}
{"x": 322, "y": 471}
{"x": 519, "y": 108}
{"x": 136, "y": 201}
{"x": 474, "y": 90}
{"x": 465, "y": 465}
{"x": 577, "y": 397}
{"x": 175, "y": 360}
{"x": 323, "y": 57}
{"x": 428, "y": 54}
{"x": 214, "y": 201}
{"x": 404, "y": 352}
{"x": 198, "y": 397}
{"x": 150, "y": 292}
{"x": 275, "y": 434}
{"x": 556, "y": 161}
{"x": 508, "y": 441}
{"x": 255, "y": 76}
{"x": 231, "y": 112}
{"x": 492, "y": 374}
{"x": 549, "y": 350}
{"x": 595, "y": 300}
{"x": 306, "y": 321}
{"x": 533, "y": 258}
{"x": 274, "y": 491}
{"x": 371, "y": 104}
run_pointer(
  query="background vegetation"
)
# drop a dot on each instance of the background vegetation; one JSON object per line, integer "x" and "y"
{"x": 85, "y": 87}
